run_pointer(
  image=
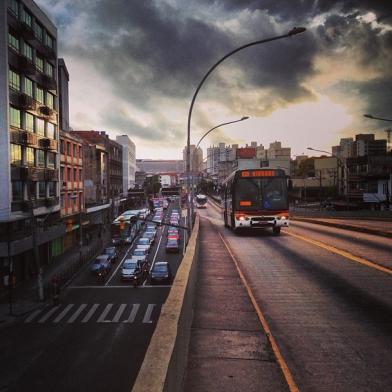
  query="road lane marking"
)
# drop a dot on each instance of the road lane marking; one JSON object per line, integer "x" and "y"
{"x": 119, "y": 265}
{"x": 63, "y": 313}
{"x": 147, "y": 316}
{"x": 157, "y": 249}
{"x": 48, "y": 314}
{"x": 119, "y": 313}
{"x": 343, "y": 253}
{"x": 90, "y": 313}
{"x": 279, "y": 357}
{"x": 101, "y": 318}
{"x": 33, "y": 316}
{"x": 131, "y": 318}
{"x": 77, "y": 313}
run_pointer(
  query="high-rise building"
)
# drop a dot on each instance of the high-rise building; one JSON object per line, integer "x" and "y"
{"x": 128, "y": 161}
{"x": 196, "y": 158}
{"x": 63, "y": 79}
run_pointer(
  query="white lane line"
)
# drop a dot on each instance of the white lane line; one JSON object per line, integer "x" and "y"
{"x": 48, "y": 314}
{"x": 132, "y": 316}
{"x": 63, "y": 313}
{"x": 101, "y": 318}
{"x": 147, "y": 316}
{"x": 77, "y": 313}
{"x": 33, "y": 316}
{"x": 90, "y": 313}
{"x": 119, "y": 265}
{"x": 157, "y": 249}
{"x": 119, "y": 312}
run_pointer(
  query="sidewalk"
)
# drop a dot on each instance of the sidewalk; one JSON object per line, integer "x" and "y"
{"x": 25, "y": 295}
{"x": 228, "y": 349}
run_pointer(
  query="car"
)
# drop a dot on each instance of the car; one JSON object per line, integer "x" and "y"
{"x": 150, "y": 235}
{"x": 143, "y": 241}
{"x": 157, "y": 219}
{"x": 101, "y": 262}
{"x": 172, "y": 246}
{"x": 161, "y": 273}
{"x": 112, "y": 252}
{"x": 128, "y": 268}
{"x": 173, "y": 231}
{"x": 139, "y": 254}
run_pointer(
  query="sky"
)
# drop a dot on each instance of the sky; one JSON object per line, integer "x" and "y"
{"x": 134, "y": 66}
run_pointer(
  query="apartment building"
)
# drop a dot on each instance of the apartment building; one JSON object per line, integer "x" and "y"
{"x": 128, "y": 161}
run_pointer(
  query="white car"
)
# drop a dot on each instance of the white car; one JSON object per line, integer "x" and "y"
{"x": 144, "y": 247}
{"x": 139, "y": 254}
{"x": 128, "y": 269}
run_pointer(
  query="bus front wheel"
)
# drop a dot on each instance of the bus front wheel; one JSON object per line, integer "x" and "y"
{"x": 276, "y": 230}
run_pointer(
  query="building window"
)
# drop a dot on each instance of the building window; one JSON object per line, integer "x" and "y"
{"x": 29, "y": 122}
{"x": 40, "y": 130}
{"x": 51, "y": 160}
{"x": 17, "y": 190}
{"x": 32, "y": 190}
{"x": 14, "y": 117}
{"x": 62, "y": 146}
{"x": 41, "y": 190}
{"x": 30, "y": 156}
{"x": 39, "y": 64}
{"x": 69, "y": 174}
{"x": 74, "y": 150}
{"x": 48, "y": 40}
{"x": 27, "y": 18}
{"x": 39, "y": 33}
{"x": 69, "y": 148}
{"x": 80, "y": 174}
{"x": 28, "y": 87}
{"x": 75, "y": 174}
{"x": 40, "y": 158}
{"x": 14, "y": 80}
{"x": 52, "y": 189}
{"x": 50, "y": 131}
{"x": 27, "y": 51}
{"x": 49, "y": 69}
{"x": 13, "y": 42}
{"x": 16, "y": 154}
{"x": 80, "y": 152}
{"x": 14, "y": 7}
{"x": 62, "y": 173}
{"x": 39, "y": 95}
{"x": 50, "y": 100}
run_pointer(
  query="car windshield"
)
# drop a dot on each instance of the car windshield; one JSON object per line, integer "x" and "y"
{"x": 138, "y": 253}
{"x": 110, "y": 251}
{"x": 144, "y": 241}
{"x": 160, "y": 268}
{"x": 129, "y": 265}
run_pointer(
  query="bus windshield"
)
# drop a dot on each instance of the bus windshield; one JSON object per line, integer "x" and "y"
{"x": 261, "y": 194}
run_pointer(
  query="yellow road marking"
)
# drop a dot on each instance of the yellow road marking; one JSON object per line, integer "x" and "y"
{"x": 343, "y": 253}
{"x": 282, "y": 363}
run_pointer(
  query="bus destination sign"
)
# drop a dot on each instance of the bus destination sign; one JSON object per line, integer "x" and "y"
{"x": 258, "y": 173}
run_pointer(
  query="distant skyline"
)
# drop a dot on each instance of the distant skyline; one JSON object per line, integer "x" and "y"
{"x": 134, "y": 66}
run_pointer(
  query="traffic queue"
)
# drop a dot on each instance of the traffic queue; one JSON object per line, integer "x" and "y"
{"x": 136, "y": 267}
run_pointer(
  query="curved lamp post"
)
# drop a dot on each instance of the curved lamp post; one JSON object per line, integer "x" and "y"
{"x": 294, "y": 31}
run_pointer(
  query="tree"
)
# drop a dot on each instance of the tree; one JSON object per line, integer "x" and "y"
{"x": 306, "y": 168}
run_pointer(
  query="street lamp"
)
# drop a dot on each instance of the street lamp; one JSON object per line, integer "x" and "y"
{"x": 294, "y": 31}
{"x": 341, "y": 164}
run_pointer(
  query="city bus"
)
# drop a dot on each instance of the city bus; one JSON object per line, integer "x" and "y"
{"x": 201, "y": 201}
{"x": 256, "y": 199}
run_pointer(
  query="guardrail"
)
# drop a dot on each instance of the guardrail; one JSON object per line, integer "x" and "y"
{"x": 164, "y": 364}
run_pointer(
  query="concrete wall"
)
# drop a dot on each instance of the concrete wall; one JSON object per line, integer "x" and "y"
{"x": 164, "y": 364}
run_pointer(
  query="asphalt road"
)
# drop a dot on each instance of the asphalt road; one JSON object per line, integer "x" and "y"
{"x": 328, "y": 306}
{"x": 95, "y": 340}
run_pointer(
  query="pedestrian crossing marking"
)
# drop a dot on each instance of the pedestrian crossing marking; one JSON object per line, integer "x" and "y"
{"x": 109, "y": 313}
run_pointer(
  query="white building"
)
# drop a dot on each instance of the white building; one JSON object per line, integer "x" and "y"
{"x": 129, "y": 161}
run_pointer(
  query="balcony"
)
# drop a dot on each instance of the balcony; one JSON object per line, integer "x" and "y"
{"x": 27, "y": 138}
{"x": 51, "y": 201}
{"x": 48, "y": 52}
{"x": 20, "y": 27}
{"x": 48, "y": 144}
{"x": 22, "y": 101}
{"x": 48, "y": 82}
{"x": 25, "y": 65}
{"x": 47, "y": 112}
{"x": 51, "y": 175}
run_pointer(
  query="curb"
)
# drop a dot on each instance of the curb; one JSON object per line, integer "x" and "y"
{"x": 360, "y": 229}
{"x": 165, "y": 361}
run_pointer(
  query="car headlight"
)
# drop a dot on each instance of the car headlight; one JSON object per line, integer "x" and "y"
{"x": 283, "y": 218}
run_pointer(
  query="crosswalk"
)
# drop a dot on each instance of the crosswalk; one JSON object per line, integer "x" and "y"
{"x": 99, "y": 313}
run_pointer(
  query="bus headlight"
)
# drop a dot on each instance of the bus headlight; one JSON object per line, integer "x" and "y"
{"x": 283, "y": 217}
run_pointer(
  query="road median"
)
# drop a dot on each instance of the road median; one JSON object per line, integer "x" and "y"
{"x": 165, "y": 361}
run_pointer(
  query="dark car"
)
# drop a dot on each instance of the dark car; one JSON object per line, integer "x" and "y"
{"x": 172, "y": 246}
{"x": 111, "y": 251}
{"x": 102, "y": 262}
{"x": 150, "y": 235}
{"x": 161, "y": 273}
